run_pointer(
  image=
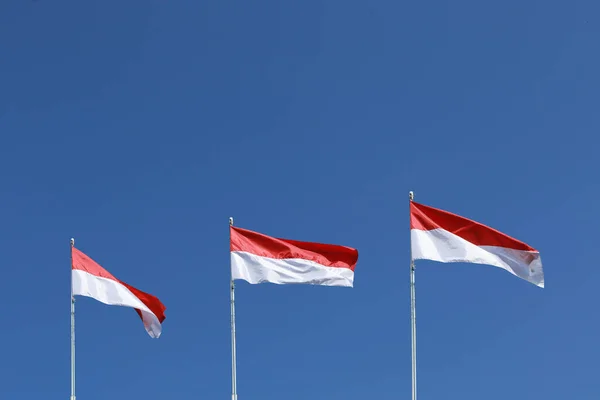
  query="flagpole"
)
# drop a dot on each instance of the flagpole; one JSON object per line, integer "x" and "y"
{"x": 72, "y": 327}
{"x": 233, "y": 344}
{"x": 413, "y": 317}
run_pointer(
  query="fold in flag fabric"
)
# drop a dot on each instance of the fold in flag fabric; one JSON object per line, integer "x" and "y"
{"x": 438, "y": 235}
{"x": 91, "y": 280}
{"x": 257, "y": 258}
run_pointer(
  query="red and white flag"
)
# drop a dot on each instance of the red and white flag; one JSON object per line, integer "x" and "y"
{"x": 257, "y": 258}
{"x": 445, "y": 237}
{"x": 91, "y": 280}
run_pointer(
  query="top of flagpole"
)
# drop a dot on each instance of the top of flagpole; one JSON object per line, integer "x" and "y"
{"x": 411, "y": 195}
{"x": 72, "y": 242}
{"x": 230, "y": 221}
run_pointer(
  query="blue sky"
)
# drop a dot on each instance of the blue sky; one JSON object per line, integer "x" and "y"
{"x": 140, "y": 127}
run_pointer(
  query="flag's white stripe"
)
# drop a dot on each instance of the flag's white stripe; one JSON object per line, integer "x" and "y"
{"x": 111, "y": 292}
{"x": 258, "y": 269}
{"x": 443, "y": 246}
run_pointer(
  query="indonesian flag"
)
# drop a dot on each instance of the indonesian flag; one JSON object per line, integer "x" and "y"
{"x": 257, "y": 258}
{"x": 91, "y": 280}
{"x": 445, "y": 237}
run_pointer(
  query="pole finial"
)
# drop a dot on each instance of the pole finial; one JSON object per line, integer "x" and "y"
{"x": 411, "y": 195}
{"x": 72, "y": 242}
{"x": 230, "y": 221}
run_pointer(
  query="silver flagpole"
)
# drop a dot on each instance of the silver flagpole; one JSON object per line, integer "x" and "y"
{"x": 233, "y": 351}
{"x": 72, "y": 327}
{"x": 413, "y": 317}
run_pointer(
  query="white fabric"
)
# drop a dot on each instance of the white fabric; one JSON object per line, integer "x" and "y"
{"x": 443, "y": 246}
{"x": 111, "y": 292}
{"x": 257, "y": 269}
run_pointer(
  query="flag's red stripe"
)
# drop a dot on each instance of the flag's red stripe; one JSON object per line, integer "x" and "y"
{"x": 152, "y": 302}
{"x": 82, "y": 262}
{"x": 328, "y": 255}
{"x": 427, "y": 218}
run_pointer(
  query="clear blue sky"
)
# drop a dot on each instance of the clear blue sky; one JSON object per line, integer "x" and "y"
{"x": 139, "y": 127}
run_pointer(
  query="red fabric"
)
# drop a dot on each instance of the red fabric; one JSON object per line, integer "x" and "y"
{"x": 82, "y": 262}
{"x": 152, "y": 302}
{"x": 426, "y": 218}
{"x": 328, "y": 255}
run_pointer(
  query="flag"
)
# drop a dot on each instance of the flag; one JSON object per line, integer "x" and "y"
{"x": 257, "y": 258}
{"x": 445, "y": 237}
{"x": 91, "y": 280}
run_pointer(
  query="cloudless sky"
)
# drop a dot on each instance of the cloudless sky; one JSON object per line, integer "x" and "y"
{"x": 140, "y": 127}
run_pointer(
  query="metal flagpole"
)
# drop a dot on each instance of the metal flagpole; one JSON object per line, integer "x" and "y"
{"x": 413, "y": 317}
{"x": 233, "y": 351}
{"x": 72, "y": 327}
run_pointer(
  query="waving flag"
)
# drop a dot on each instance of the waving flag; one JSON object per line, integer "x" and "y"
{"x": 445, "y": 237}
{"x": 91, "y": 280}
{"x": 258, "y": 258}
